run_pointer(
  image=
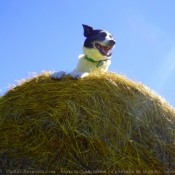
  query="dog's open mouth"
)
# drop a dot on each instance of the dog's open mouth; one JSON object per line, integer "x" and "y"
{"x": 105, "y": 50}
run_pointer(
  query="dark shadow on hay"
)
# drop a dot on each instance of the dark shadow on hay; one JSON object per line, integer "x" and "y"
{"x": 102, "y": 122}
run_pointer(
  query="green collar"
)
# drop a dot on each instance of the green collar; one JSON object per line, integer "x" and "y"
{"x": 99, "y": 63}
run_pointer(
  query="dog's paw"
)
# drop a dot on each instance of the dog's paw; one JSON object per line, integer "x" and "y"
{"x": 58, "y": 75}
{"x": 77, "y": 75}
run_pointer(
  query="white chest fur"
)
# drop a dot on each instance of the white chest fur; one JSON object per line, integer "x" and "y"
{"x": 85, "y": 65}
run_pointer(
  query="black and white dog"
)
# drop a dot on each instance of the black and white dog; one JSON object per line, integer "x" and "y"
{"x": 97, "y": 52}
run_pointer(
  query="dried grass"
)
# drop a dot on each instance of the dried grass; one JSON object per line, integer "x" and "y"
{"x": 101, "y": 122}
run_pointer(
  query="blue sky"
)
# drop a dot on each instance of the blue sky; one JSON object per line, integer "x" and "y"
{"x": 39, "y": 35}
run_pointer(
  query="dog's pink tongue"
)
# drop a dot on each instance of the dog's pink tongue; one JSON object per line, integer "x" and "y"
{"x": 104, "y": 50}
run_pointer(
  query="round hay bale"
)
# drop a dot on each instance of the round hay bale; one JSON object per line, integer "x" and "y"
{"x": 99, "y": 124}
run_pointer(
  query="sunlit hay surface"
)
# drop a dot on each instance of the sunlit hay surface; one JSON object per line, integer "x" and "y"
{"x": 101, "y": 122}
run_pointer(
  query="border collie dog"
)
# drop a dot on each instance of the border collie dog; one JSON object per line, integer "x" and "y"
{"x": 97, "y": 53}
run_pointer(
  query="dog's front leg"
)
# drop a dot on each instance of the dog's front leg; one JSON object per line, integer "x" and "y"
{"x": 77, "y": 75}
{"x": 58, "y": 75}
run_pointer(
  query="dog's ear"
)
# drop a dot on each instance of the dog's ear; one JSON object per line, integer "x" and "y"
{"x": 87, "y": 30}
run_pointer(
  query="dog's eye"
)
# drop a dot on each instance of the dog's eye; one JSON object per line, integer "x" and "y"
{"x": 110, "y": 36}
{"x": 102, "y": 34}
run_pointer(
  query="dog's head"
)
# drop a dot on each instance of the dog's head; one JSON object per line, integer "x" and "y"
{"x": 98, "y": 43}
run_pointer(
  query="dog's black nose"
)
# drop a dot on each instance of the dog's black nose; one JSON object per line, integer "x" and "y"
{"x": 111, "y": 42}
